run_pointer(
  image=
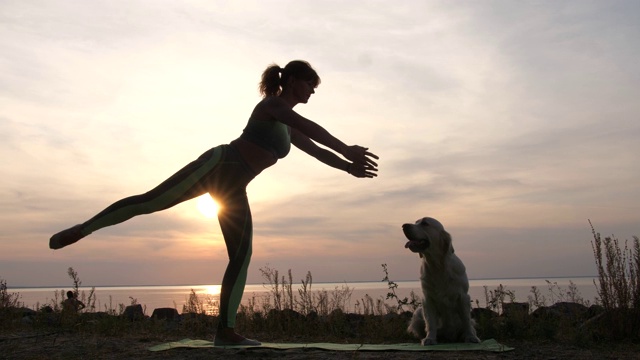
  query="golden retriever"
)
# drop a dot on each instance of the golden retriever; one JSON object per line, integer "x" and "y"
{"x": 445, "y": 314}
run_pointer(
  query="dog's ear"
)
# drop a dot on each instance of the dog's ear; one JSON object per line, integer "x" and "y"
{"x": 447, "y": 247}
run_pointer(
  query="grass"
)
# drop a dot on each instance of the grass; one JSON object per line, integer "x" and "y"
{"x": 618, "y": 286}
{"x": 303, "y": 313}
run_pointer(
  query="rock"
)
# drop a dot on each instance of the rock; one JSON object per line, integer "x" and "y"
{"x": 479, "y": 314}
{"x": 165, "y": 314}
{"x": 570, "y": 309}
{"x": 285, "y": 314}
{"x": 515, "y": 309}
{"x": 562, "y": 310}
{"x": 595, "y": 310}
{"x": 26, "y": 312}
{"x": 312, "y": 316}
{"x": 133, "y": 312}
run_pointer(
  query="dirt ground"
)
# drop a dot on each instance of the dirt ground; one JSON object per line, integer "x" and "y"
{"x": 69, "y": 346}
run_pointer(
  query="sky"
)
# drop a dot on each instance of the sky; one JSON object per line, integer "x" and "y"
{"x": 513, "y": 123}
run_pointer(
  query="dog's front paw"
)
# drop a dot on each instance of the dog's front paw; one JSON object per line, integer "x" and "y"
{"x": 428, "y": 341}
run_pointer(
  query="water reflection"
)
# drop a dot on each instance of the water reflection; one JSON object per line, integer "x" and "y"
{"x": 212, "y": 290}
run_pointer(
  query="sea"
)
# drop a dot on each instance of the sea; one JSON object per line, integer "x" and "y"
{"x": 357, "y": 297}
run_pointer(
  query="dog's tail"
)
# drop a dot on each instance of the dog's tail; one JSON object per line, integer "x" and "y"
{"x": 417, "y": 324}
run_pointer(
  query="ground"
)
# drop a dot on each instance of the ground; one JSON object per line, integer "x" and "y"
{"x": 75, "y": 346}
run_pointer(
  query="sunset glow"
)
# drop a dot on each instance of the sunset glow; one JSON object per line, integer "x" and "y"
{"x": 512, "y": 123}
{"x": 207, "y": 206}
{"x": 212, "y": 290}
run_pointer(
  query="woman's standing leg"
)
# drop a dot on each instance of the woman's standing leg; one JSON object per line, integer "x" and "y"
{"x": 237, "y": 229}
{"x": 229, "y": 186}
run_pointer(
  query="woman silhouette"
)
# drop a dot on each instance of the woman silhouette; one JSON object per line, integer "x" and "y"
{"x": 225, "y": 171}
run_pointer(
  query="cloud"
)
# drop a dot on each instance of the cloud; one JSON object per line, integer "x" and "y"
{"x": 512, "y": 124}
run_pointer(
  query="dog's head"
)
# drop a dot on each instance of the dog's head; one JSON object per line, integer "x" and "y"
{"x": 427, "y": 235}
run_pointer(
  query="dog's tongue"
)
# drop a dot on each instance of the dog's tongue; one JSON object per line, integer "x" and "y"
{"x": 408, "y": 244}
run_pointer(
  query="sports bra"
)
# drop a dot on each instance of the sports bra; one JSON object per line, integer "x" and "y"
{"x": 272, "y": 136}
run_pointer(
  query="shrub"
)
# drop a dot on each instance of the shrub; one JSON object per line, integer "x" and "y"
{"x": 7, "y": 299}
{"x": 618, "y": 272}
{"x": 618, "y": 287}
{"x": 413, "y": 302}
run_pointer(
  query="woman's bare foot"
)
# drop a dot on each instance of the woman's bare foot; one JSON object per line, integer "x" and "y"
{"x": 66, "y": 237}
{"x": 228, "y": 337}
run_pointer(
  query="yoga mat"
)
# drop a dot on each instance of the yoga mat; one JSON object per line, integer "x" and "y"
{"x": 487, "y": 345}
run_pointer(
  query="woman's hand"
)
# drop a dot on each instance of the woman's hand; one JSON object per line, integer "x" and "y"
{"x": 362, "y": 170}
{"x": 362, "y": 161}
{"x": 359, "y": 155}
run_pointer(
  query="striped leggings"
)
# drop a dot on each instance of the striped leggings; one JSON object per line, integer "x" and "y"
{"x": 222, "y": 173}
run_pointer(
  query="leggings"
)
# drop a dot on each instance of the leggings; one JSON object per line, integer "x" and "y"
{"x": 224, "y": 174}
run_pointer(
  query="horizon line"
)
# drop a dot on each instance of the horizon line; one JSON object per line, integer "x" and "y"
{"x": 322, "y": 282}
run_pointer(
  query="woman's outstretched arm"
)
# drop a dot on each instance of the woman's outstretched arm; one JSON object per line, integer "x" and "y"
{"x": 305, "y": 144}
{"x": 278, "y": 109}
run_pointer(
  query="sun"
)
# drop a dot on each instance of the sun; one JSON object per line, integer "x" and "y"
{"x": 212, "y": 289}
{"x": 207, "y": 206}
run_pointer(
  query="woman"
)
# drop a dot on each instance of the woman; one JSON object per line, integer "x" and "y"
{"x": 226, "y": 170}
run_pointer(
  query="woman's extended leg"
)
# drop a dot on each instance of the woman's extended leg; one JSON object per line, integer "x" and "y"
{"x": 186, "y": 184}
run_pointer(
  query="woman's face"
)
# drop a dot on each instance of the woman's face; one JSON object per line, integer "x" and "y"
{"x": 302, "y": 90}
